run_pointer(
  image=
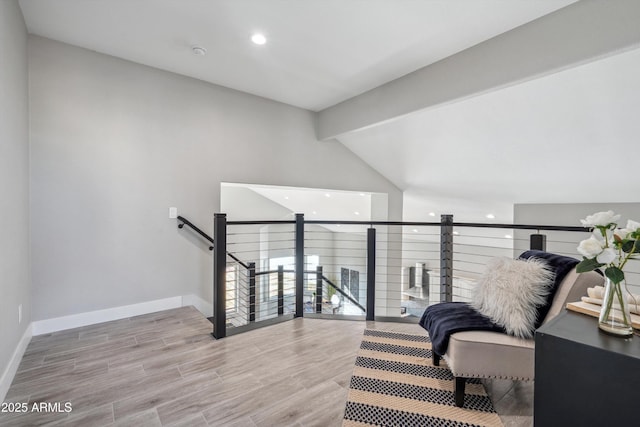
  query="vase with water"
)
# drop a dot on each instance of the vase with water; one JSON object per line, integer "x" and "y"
{"x": 615, "y": 316}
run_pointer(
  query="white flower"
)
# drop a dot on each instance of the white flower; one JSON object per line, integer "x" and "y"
{"x": 600, "y": 219}
{"x": 607, "y": 256}
{"x": 632, "y": 225}
{"x": 590, "y": 247}
{"x": 597, "y": 234}
{"x": 622, "y": 233}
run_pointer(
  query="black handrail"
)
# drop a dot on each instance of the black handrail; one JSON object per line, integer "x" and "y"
{"x": 455, "y": 224}
{"x": 343, "y": 293}
{"x": 208, "y": 238}
{"x": 233, "y": 257}
{"x": 196, "y": 229}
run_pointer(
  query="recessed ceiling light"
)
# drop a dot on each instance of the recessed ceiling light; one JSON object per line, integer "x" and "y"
{"x": 357, "y": 213}
{"x": 314, "y": 212}
{"x": 432, "y": 214}
{"x": 456, "y": 233}
{"x": 286, "y": 197}
{"x": 415, "y": 230}
{"x": 362, "y": 194}
{"x": 491, "y": 216}
{"x": 327, "y": 195}
{"x": 199, "y": 50}
{"x": 508, "y": 236}
{"x": 258, "y": 38}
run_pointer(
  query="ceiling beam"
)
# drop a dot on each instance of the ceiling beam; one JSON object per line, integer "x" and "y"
{"x": 579, "y": 33}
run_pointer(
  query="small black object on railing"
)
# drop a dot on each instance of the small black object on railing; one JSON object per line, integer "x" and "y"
{"x": 538, "y": 242}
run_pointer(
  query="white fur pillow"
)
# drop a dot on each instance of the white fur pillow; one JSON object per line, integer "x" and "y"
{"x": 510, "y": 292}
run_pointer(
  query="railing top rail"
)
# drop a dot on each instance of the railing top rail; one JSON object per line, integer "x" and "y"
{"x": 257, "y": 222}
{"x": 417, "y": 223}
{"x": 333, "y": 222}
{"x": 523, "y": 226}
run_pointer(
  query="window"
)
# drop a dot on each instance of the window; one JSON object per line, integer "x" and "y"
{"x": 270, "y": 285}
{"x": 232, "y": 288}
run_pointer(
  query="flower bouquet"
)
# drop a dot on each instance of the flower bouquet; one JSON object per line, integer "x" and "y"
{"x": 611, "y": 247}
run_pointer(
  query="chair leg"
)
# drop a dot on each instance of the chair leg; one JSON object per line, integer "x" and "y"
{"x": 435, "y": 358}
{"x": 458, "y": 390}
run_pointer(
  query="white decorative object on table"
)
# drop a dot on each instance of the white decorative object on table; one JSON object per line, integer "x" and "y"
{"x": 611, "y": 247}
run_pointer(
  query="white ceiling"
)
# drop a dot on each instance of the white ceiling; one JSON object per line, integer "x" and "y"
{"x": 316, "y": 204}
{"x": 319, "y": 52}
{"x": 569, "y": 137}
{"x": 330, "y": 205}
{"x": 566, "y": 137}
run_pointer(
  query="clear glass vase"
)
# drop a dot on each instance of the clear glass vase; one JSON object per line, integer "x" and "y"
{"x": 615, "y": 317}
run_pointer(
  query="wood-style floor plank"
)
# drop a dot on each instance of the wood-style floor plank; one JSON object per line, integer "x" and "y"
{"x": 165, "y": 369}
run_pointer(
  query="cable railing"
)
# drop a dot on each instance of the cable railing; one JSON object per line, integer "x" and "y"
{"x": 373, "y": 270}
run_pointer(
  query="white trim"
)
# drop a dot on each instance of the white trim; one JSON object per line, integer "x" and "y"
{"x": 201, "y": 305}
{"x": 14, "y": 363}
{"x": 92, "y": 317}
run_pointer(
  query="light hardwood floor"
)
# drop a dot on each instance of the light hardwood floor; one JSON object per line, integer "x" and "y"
{"x": 165, "y": 369}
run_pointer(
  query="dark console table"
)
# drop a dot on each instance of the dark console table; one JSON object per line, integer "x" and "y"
{"x": 583, "y": 376}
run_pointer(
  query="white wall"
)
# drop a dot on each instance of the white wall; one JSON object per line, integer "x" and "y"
{"x": 15, "y": 285}
{"x": 114, "y": 144}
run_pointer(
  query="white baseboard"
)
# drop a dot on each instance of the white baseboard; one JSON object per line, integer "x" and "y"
{"x": 92, "y": 317}
{"x": 201, "y": 305}
{"x": 14, "y": 363}
{"x": 47, "y": 326}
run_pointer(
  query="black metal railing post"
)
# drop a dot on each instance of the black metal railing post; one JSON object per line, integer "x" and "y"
{"x": 252, "y": 292}
{"x": 538, "y": 241}
{"x": 371, "y": 273}
{"x": 280, "y": 290}
{"x": 299, "y": 265}
{"x": 446, "y": 258}
{"x": 319, "y": 289}
{"x": 219, "y": 276}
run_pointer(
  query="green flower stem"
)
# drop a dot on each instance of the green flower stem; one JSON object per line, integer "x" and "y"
{"x": 622, "y": 302}
{"x": 626, "y": 258}
{"x": 617, "y": 292}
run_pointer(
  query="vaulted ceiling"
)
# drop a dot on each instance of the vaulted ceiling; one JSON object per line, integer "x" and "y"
{"x": 486, "y": 135}
{"x": 318, "y": 52}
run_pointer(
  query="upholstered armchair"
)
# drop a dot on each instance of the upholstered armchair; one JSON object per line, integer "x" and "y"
{"x": 491, "y": 352}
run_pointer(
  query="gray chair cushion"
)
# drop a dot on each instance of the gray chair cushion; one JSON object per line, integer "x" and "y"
{"x": 484, "y": 354}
